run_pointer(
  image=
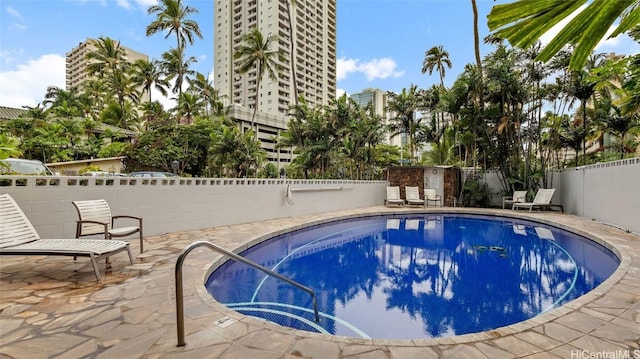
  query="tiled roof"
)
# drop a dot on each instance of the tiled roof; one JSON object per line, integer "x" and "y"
{"x": 11, "y": 113}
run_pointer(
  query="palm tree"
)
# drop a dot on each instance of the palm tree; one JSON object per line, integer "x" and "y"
{"x": 201, "y": 86}
{"x": 148, "y": 75}
{"x": 619, "y": 125}
{"x": 107, "y": 58}
{"x": 403, "y": 107}
{"x": 582, "y": 87}
{"x": 172, "y": 17}
{"x": 175, "y": 66}
{"x": 436, "y": 57}
{"x": 189, "y": 105}
{"x": 476, "y": 36}
{"x": 523, "y": 22}
{"x": 63, "y": 103}
{"x": 256, "y": 52}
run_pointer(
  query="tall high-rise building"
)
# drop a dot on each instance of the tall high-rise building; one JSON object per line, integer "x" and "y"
{"x": 378, "y": 100}
{"x": 314, "y": 39}
{"x": 77, "y": 62}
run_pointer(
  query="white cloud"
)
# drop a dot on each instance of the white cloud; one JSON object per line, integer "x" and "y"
{"x": 15, "y": 13}
{"x": 124, "y": 4}
{"x": 373, "y": 69}
{"x": 27, "y": 84}
{"x": 146, "y": 3}
{"x": 344, "y": 67}
{"x": 340, "y": 92}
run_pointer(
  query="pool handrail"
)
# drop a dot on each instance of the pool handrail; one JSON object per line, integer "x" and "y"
{"x": 179, "y": 289}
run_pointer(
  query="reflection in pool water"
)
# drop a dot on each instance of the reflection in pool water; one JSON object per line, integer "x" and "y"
{"x": 414, "y": 277}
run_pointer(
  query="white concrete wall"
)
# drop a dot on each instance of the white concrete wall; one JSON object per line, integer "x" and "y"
{"x": 169, "y": 205}
{"x": 605, "y": 192}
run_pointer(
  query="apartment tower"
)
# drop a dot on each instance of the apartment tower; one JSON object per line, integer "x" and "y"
{"x": 314, "y": 40}
{"x": 77, "y": 62}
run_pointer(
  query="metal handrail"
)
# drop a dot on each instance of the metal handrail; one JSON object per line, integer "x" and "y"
{"x": 180, "y": 294}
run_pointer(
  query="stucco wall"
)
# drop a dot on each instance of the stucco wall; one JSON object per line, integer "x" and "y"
{"x": 605, "y": 192}
{"x": 169, "y": 205}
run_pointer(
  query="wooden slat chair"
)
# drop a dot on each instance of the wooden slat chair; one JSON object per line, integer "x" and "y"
{"x": 18, "y": 237}
{"x": 95, "y": 218}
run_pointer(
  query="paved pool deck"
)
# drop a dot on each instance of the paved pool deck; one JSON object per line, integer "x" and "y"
{"x": 51, "y": 307}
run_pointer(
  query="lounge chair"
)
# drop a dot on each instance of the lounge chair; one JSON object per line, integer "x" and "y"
{"x": 541, "y": 201}
{"x": 393, "y": 196}
{"x": 431, "y": 196}
{"x": 19, "y": 237}
{"x": 518, "y": 196}
{"x": 95, "y": 218}
{"x": 412, "y": 196}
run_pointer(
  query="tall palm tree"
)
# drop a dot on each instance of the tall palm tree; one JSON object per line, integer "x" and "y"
{"x": 523, "y": 22}
{"x": 476, "y": 36}
{"x": 436, "y": 57}
{"x": 148, "y": 75}
{"x": 176, "y": 67}
{"x": 257, "y": 52}
{"x": 403, "y": 107}
{"x": 201, "y": 86}
{"x": 172, "y": 17}
{"x": 107, "y": 58}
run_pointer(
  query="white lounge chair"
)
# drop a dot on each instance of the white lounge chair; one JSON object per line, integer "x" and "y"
{"x": 518, "y": 196}
{"x": 541, "y": 201}
{"x": 95, "y": 218}
{"x": 431, "y": 196}
{"x": 393, "y": 196}
{"x": 412, "y": 196}
{"x": 19, "y": 237}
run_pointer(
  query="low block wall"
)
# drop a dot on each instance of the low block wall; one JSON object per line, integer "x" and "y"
{"x": 170, "y": 205}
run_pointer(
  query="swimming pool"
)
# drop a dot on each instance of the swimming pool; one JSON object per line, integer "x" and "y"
{"x": 415, "y": 276}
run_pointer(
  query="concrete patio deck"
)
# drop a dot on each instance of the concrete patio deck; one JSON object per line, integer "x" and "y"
{"x": 51, "y": 307}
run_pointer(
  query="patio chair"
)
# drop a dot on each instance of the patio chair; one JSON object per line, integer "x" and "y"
{"x": 541, "y": 201}
{"x": 412, "y": 196}
{"x": 95, "y": 218}
{"x": 393, "y": 196}
{"x": 518, "y": 196}
{"x": 431, "y": 196}
{"x": 18, "y": 237}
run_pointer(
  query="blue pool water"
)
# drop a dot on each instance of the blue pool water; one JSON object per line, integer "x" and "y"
{"x": 412, "y": 277}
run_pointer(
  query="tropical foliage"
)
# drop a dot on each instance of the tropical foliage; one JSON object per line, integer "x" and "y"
{"x": 508, "y": 111}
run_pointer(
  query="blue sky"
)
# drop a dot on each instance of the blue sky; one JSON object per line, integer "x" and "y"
{"x": 381, "y": 43}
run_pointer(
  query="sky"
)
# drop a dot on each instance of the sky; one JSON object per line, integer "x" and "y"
{"x": 380, "y": 43}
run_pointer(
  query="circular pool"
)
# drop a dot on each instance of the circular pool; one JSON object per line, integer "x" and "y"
{"x": 414, "y": 276}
